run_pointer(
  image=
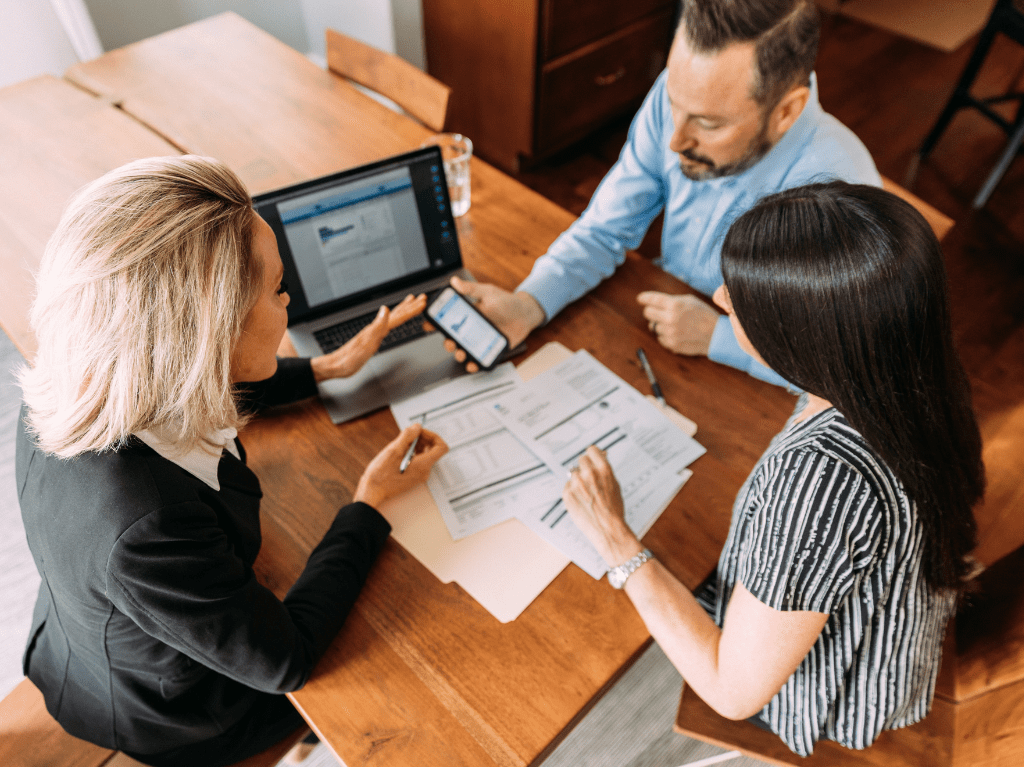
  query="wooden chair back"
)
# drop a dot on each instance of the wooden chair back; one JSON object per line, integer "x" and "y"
{"x": 1000, "y": 523}
{"x": 939, "y": 221}
{"x": 419, "y": 94}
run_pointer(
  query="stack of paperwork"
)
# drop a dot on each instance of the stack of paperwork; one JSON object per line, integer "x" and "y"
{"x": 501, "y": 529}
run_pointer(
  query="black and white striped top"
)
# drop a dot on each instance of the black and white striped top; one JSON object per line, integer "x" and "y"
{"x": 822, "y": 524}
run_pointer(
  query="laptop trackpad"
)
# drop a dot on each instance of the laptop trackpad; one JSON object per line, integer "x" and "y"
{"x": 388, "y": 377}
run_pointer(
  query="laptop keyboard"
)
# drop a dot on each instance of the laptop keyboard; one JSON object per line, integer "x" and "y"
{"x": 337, "y": 335}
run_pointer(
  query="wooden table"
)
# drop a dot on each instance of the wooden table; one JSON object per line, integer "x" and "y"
{"x": 54, "y": 138}
{"x": 420, "y": 674}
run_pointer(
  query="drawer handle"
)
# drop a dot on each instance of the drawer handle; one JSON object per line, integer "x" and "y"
{"x": 614, "y": 77}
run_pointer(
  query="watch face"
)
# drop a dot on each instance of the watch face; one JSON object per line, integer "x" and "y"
{"x": 617, "y": 577}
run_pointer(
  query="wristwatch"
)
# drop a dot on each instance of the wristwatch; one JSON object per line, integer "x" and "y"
{"x": 617, "y": 575}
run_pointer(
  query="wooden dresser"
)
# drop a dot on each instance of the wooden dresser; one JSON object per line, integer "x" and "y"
{"x": 529, "y": 77}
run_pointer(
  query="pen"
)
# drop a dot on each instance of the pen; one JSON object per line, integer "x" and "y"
{"x": 655, "y": 387}
{"x": 407, "y": 458}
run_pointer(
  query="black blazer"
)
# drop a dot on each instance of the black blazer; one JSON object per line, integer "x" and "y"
{"x": 150, "y": 630}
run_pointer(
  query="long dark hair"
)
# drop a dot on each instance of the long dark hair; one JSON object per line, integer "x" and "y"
{"x": 842, "y": 290}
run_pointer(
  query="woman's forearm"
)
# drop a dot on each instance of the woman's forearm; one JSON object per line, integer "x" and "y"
{"x": 685, "y": 632}
{"x": 736, "y": 669}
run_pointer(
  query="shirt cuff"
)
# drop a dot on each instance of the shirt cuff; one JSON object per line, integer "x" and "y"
{"x": 725, "y": 349}
{"x": 546, "y": 291}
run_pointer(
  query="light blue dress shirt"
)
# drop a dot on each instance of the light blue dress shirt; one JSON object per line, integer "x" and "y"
{"x": 647, "y": 178}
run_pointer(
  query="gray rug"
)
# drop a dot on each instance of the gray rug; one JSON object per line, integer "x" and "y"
{"x": 631, "y": 726}
{"x": 18, "y": 577}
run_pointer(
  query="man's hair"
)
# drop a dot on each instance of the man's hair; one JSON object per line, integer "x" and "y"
{"x": 842, "y": 290}
{"x": 141, "y": 297}
{"x": 785, "y": 34}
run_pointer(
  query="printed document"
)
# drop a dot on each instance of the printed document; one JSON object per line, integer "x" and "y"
{"x": 487, "y": 476}
{"x": 579, "y": 403}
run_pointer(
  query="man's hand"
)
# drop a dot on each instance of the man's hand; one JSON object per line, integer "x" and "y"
{"x": 514, "y": 314}
{"x": 682, "y": 324}
{"x": 349, "y": 358}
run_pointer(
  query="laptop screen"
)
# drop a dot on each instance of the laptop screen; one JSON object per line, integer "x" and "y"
{"x": 362, "y": 233}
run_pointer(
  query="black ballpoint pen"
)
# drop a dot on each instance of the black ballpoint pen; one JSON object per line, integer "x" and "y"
{"x": 655, "y": 387}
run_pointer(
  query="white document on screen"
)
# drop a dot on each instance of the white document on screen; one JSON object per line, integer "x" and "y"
{"x": 487, "y": 476}
{"x": 579, "y": 403}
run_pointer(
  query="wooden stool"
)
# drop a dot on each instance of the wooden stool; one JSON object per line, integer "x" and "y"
{"x": 30, "y": 737}
{"x": 937, "y": 220}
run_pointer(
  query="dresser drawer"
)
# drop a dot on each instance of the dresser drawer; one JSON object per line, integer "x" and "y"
{"x": 568, "y": 24}
{"x": 580, "y": 90}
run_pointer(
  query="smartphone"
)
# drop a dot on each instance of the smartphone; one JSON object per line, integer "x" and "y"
{"x": 459, "y": 320}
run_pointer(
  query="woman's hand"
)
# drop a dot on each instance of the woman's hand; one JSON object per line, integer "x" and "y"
{"x": 349, "y": 358}
{"x": 382, "y": 480}
{"x": 594, "y": 501}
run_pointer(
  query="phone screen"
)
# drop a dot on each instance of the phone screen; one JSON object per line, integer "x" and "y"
{"x": 467, "y": 327}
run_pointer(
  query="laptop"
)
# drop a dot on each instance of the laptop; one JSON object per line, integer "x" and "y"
{"x": 353, "y": 241}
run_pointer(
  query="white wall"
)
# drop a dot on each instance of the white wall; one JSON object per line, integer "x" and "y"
{"x": 408, "y": 20}
{"x": 120, "y": 22}
{"x": 368, "y": 20}
{"x": 395, "y": 26}
{"x": 32, "y": 41}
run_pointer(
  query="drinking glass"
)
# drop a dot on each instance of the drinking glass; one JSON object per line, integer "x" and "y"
{"x": 456, "y": 152}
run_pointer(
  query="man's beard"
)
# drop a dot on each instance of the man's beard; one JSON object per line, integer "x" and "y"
{"x": 757, "y": 149}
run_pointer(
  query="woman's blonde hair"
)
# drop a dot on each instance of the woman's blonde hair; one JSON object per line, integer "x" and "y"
{"x": 140, "y": 299}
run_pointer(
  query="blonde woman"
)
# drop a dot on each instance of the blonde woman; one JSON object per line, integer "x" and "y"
{"x": 159, "y": 296}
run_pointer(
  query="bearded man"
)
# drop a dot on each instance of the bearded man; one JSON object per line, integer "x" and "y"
{"x": 735, "y": 116}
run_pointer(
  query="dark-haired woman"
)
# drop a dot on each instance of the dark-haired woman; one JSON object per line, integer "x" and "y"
{"x": 849, "y": 541}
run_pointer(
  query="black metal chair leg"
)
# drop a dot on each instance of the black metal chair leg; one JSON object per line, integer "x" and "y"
{"x": 1007, "y": 18}
{"x": 961, "y": 94}
{"x": 1004, "y": 162}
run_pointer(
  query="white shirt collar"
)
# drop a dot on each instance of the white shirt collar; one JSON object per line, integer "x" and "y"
{"x": 202, "y": 461}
